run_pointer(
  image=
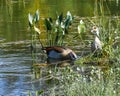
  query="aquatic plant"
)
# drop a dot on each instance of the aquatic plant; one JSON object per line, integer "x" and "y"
{"x": 93, "y": 76}
{"x": 56, "y": 30}
{"x": 81, "y": 28}
{"x": 84, "y": 80}
{"x": 33, "y": 20}
{"x": 35, "y": 32}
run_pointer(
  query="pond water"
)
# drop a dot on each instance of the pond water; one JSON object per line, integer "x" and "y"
{"x": 16, "y": 76}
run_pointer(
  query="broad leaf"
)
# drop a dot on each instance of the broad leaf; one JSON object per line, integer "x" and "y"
{"x": 48, "y": 24}
{"x": 50, "y": 19}
{"x": 81, "y": 27}
{"x": 37, "y": 30}
{"x": 60, "y": 18}
{"x": 67, "y": 23}
{"x": 69, "y": 15}
{"x": 36, "y": 16}
{"x": 30, "y": 18}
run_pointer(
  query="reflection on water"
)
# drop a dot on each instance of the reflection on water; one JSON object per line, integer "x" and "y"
{"x": 16, "y": 77}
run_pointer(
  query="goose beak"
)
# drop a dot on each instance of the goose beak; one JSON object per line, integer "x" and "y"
{"x": 73, "y": 56}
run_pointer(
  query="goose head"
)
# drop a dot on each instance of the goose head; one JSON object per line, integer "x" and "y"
{"x": 95, "y": 31}
{"x": 72, "y": 56}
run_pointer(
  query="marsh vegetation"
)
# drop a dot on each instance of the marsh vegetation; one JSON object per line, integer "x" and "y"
{"x": 89, "y": 75}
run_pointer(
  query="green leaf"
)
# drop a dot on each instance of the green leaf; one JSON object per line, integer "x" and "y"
{"x": 67, "y": 23}
{"x": 81, "y": 27}
{"x": 68, "y": 20}
{"x": 50, "y": 19}
{"x": 66, "y": 31}
{"x": 36, "y": 16}
{"x": 60, "y": 18}
{"x": 69, "y": 16}
{"x": 37, "y": 30}
{"x": 48, "y": 24}
{"x": 39, "y": 92}
{"x": 30, "y": 18}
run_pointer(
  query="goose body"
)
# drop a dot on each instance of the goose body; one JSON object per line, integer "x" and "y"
{"x": 96, "y": 44}
{"x": 59, "y": 52}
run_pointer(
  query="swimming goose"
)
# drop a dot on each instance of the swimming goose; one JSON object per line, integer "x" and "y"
{"x": 59, "y": 52}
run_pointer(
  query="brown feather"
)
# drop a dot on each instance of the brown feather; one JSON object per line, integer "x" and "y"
{"x": 59, "y": 49}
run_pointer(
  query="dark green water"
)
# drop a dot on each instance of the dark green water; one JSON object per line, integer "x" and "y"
{"x": 16, "y": 77}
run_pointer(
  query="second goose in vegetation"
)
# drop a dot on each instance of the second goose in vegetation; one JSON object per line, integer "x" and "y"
{"x": 96, "y": 45}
